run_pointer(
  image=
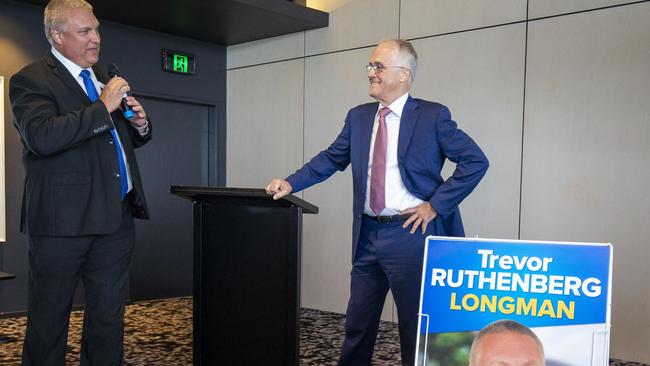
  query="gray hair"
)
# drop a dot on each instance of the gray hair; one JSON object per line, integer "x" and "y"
{"x": 53, "y": 17}
{"x": 502, "y": 326}
{"x": 407, "y": 53}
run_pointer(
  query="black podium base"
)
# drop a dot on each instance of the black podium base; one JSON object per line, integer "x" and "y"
{"x": 246, "y": 276}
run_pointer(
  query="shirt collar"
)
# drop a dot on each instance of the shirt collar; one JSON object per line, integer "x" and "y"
{"x": 397, "y": 106}
{"x": 73, "y": 68}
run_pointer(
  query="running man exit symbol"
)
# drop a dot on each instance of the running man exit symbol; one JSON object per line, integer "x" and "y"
{"x": 180, "y": 63}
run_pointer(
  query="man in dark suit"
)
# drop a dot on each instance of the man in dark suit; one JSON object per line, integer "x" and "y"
{"x": 82, "y": 189}
{"x": 397, "y": 148}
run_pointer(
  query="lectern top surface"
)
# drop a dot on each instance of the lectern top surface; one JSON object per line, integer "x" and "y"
{"x": 207, "y": 193}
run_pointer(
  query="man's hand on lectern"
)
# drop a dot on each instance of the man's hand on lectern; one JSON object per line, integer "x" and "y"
{"x": 278, "y": 188}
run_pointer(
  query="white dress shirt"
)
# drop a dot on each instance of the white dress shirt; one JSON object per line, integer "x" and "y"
{"x": 398, "y": 198}
{"x": 75, "y": 70}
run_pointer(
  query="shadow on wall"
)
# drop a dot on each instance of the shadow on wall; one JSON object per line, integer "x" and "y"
{"x": 14, "y": 35}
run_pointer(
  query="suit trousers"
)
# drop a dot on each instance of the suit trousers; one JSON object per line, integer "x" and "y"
{"x": 56, "y": 265}
{"x": 388, "y": 257}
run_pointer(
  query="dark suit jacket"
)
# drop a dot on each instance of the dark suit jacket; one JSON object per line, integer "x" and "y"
{"x": 70, "y": 160}
{"x": 427, "y": 136}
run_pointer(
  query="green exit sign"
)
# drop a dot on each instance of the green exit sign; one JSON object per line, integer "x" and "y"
{"x": 178, "y": 62}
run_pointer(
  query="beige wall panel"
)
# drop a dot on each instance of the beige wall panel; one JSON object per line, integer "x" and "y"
{"x": 421, "y": 18}
{"x": 266, "y": 50}
{"x": 586, "y": 170}
{"x": 265, "y": 111}
{"x": 543, "y": 8}
{"x": 355, "y": 23}
{"x": 333, "y": 84}
{"x": 479, "y": 76}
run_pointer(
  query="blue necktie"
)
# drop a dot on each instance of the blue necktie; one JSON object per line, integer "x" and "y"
{"x": 92, "y": 95}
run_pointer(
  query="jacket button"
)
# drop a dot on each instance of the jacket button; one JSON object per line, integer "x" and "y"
{"x": 111, "y": 142}
{"x": 117, "y": 175}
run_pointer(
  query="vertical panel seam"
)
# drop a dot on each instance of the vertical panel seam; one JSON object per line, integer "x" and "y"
{"x": 304, "y": 89}
{"x": 523, "y": 124}
{"x": 304, "y": 98}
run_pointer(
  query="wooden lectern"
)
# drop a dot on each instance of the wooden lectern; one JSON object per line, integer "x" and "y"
{"x": 246, "y": 275}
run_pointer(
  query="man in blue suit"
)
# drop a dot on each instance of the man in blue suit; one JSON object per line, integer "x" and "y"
{"x": 397, "y": 148}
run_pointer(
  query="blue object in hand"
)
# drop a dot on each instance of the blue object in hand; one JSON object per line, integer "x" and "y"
{"x": 127, "y": 112}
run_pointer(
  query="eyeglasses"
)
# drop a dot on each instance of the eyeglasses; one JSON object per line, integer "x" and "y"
{"x": 379, "y": 68}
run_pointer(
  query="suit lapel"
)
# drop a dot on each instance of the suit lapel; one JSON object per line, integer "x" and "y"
{"x": 407, "y": 126}
{"x": 64, "y": 75}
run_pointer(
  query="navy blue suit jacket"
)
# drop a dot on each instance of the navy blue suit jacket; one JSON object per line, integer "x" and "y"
{"x": 427, "y": 136}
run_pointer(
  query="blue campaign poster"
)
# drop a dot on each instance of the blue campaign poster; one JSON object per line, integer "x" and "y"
{"x": 560, "y": 291}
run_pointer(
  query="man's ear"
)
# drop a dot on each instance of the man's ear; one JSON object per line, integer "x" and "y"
{"x": 406, "y": 75}
{"x": 57, "y": 36}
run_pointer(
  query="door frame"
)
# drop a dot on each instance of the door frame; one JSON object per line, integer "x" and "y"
{"x": 216, "y": 132}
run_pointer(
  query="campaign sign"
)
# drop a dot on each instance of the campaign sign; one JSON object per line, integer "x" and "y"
{"x": 561, "y": 291}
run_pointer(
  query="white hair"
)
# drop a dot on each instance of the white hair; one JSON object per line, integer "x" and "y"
{"x": 54, "y": 18}
{"x": 406, "y": 53}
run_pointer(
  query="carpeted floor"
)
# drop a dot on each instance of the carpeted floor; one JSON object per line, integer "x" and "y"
{"x": 160, "y": 333}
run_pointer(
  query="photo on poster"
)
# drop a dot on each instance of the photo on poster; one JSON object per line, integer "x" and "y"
{"x": 555, "y": 295}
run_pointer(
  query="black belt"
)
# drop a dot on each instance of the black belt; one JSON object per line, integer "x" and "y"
{"x": 389, "y": 219}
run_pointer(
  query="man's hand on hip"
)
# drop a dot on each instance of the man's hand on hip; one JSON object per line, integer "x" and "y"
{"x": 278, "y": 188}
{"x": 421, "y": 217}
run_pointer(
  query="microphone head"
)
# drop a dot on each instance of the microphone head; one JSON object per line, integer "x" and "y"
{"x": 113, "y": 70}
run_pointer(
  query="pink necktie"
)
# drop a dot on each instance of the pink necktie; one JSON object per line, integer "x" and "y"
{"x": 378, "y": 172}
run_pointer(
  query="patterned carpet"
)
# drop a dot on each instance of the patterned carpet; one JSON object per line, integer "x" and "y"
{"x": 160, "y": 333}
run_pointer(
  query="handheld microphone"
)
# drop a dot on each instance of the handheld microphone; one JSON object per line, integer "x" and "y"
{"x": 127, "y": 112}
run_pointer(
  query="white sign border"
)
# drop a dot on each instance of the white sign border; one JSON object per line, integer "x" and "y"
{"x": 604, "y": 356}
{"x": 3, "y": 222}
